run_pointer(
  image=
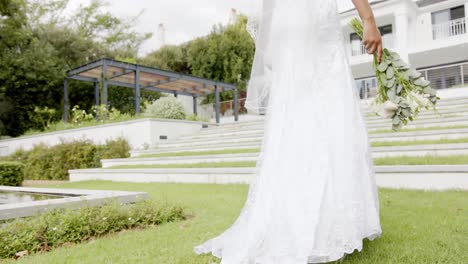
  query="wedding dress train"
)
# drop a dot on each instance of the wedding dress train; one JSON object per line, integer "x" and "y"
{"x": 313, "y": 197}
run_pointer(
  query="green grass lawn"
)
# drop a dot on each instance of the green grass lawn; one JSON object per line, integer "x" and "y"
{"x": 400, "y": 160}
{"x": 196, "y": 153}
{"x": 424, "y": 160}
{"x": 418, "y": 227}
{"x": 419, "y": 142}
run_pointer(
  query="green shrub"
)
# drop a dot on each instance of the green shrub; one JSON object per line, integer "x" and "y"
{"x": 64, "y": 226}
{"x": 11, "y": 173}
{"x": 113, "y": 149}
{"x": 196, "y": 118}
{"x": 45, "y": 162}
{"x": 166, "y": 107}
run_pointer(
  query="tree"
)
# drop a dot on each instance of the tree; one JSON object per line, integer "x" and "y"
{"x": 226, "y": 54}
{"x": 169, "y": 57}
{"x": 38, "y": 44}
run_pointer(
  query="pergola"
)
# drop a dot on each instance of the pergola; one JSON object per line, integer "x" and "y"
{"x": 138, "y": 77}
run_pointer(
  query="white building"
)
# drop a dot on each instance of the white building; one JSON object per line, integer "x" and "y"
{"x": 429, "y": 34}
{"x": 161, "y": 36}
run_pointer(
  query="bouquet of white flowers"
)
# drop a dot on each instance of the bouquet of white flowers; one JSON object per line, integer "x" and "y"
{"x": 402, "y": 91}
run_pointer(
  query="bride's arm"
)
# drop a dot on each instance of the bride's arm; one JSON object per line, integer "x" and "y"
{"x": 372, "y": 39}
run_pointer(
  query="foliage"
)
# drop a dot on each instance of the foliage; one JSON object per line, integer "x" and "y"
{"x": 60, "y": 125}
{"x": 45, "y": 162}
{"x": 39, "y": 41}
{"x": 62, "y": 227}
{"x": 43, "y": 116}
{"x": 79, "y": 116}
{"x": 402, "y": 90}
{"x": 113, "y": 149}
{"x": 194, "y": 117}
{"x": 11, "y": 173}
{"x": 166, "y": 107}
{"x": 169, "y": 57}
{"x": 226, "y": 54}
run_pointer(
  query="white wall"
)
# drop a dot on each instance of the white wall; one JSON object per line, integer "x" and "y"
{"x": 203, "y": 111}
{"x": 139, "y": 133}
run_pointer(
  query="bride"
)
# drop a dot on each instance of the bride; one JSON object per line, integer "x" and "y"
{"x": 313, "y": 198}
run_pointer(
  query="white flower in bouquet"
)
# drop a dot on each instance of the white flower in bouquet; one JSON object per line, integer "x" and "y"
{"x": 385, "y": 110}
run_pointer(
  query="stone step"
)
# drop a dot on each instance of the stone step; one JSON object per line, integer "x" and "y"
{"x": 429, "y": 114}
{"x": 372, "y": 126}
{"x": 392, "y": 136}
{"x": 451, "y": 121}
{"x": 380, "y": 120}
{"x": 377, "y": 152}
{"x": 258, "y": 128}
{"x": 259, "y": 124}
{"x": 235, "y": 145}
{"x": 425, "y": 177}
{"x": 453, "y": 102}
{"x": 245, "y": 141}
{"x": 256, "y": 135}
{"x": 436, "y": 134}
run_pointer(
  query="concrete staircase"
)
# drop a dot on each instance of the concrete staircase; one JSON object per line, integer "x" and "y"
{"x": 451, "y": 124}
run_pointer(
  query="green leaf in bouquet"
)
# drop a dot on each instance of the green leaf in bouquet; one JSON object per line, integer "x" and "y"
{"x": 390, "y": 83}
{"x": 404, "y": 104}
{"x": 422, "y": 82}
{"x": 429, "y": 90}
{"x": 399, "y": 88}
{"x": 382, "y": 66}
{"x": 415, "y": 74}
{"x": 406, "y": 112}
{"x": 411, "y": 118}
{"x": 390, "y": 72}
{"x": 383, "y": 80}
{"x": 400, "y": 64}
{"x": 405, "y": 122}
{"x": 405, "y": 75}
{"x": 393, "y": 54}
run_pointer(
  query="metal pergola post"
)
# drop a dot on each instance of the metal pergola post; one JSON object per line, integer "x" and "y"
{"x": 217, "y": 104}
{"x": 137, "y": 90}
{"x": 236, "y": 105}
{"x": 66, "y": 102}
{"x": 104, "y": 84}
{"x": 195, "y": 111}
{"x": 96, "y": 94}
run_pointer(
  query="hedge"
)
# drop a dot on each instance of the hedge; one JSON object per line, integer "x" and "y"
{"x": 45, "y": 162}
{"x": 71, "y": 226}
{"x": 11, "y": 173}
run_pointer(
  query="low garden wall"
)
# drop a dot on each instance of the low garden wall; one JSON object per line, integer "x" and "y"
{"x": 140, "y": 134}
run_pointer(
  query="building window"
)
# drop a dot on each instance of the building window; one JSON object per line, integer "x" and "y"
{"x": 448, "y": 22}
{"x": 448, "y": 76}
{"x": 465, "y": 74}
{"x": 367, "y": 87}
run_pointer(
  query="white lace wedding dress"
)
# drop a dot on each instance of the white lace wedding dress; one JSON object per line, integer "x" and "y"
{"x": 313, "y": 198}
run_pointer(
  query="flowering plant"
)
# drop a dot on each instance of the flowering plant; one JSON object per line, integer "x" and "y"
{"x": 402, "y": 91}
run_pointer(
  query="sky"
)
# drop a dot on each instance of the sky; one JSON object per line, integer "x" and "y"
{"x": 183, "y": 19}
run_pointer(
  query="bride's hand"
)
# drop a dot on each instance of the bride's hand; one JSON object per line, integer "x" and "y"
{"x": 372, "y": 39}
